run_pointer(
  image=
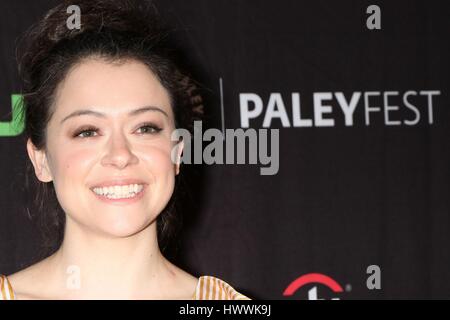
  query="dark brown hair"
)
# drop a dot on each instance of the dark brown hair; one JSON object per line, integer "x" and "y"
{"x": 114, "y": 30}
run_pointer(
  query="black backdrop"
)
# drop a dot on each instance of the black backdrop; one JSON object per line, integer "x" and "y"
{"x": 345, "y": 196}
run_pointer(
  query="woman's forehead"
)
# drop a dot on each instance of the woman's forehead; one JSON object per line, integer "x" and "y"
{"x": 114, "y": 88}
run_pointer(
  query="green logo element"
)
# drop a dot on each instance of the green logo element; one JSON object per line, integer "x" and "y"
{"x": 16, "y": 126}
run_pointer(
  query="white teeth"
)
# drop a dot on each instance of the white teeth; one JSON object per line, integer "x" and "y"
{"x": 118, "y": 192}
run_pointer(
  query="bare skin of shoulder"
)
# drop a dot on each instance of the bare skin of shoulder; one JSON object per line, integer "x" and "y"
{"x": 31, "y": 283}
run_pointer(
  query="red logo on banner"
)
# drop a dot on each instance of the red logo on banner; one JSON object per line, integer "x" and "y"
{"x": 312, "y": 278}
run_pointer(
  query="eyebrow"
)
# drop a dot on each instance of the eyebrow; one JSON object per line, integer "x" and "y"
{"x": 102, "y": 115}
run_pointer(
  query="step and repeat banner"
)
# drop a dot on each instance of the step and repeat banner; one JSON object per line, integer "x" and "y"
{"x": 344, "y": 192}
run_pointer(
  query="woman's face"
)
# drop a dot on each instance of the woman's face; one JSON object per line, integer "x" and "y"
{"x": 111, "y": 127}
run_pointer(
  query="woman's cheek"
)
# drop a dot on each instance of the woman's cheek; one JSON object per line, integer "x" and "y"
{"x": 80, "y": 157}
{"x": 75, "y": 163}
{"x": 158, "y": 159}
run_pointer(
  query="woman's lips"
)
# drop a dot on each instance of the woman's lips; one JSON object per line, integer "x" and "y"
{"x": 118, "y": 182}
{"x": 122, "y": 201}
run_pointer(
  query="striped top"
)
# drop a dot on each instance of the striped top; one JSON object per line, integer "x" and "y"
{"x": 212, "y": 288}
{"x": 208, "y": 288}
{"x": 6, "y": 291}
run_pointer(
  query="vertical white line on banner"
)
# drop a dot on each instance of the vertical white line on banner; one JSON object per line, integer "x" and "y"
{"x": 222, "y": 108}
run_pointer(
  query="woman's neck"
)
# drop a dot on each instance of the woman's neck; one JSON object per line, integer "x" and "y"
{"x": 92, "y": 265}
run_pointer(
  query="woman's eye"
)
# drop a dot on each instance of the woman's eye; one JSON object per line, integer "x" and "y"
{"x": 92, "y": 132}
{"x": 149, "y": 129}
{"x": 85, "y": 133}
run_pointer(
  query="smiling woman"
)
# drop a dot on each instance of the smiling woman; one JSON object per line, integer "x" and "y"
{"x": 101, "y": 103}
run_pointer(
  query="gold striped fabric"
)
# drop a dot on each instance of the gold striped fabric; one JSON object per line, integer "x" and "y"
{"x": 208, "y": 288}
{"x": 6, "y": 291}
{"x": 212, "y": 288}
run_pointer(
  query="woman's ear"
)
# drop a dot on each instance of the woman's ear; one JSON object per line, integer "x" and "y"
{"x": 179, "y": 151}
{"x": 40, "y": 162}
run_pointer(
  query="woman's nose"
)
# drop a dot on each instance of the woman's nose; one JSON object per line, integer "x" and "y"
{"x": 119, "y": 152}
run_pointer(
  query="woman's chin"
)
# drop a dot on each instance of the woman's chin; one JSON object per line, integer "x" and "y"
{"x": 122, "y": 228}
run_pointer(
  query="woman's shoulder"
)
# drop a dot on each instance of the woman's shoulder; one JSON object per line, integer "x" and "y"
{"x": 212, "y": 288}
{"x": 208, "y": 288}
{"x": 6, "y": 290}
{"x": 19, "y": 282}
